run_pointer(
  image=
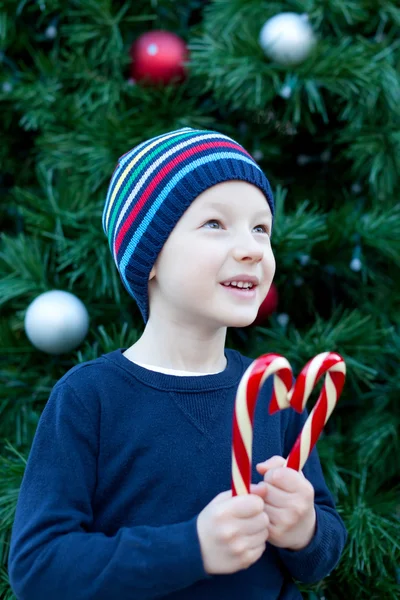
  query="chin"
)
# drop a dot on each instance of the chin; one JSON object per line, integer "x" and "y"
{"x": 240, "y": 321}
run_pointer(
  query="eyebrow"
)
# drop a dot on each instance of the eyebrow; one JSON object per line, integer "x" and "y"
{"x": 223, "y": 207}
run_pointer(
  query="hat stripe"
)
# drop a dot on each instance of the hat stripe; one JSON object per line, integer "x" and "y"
{"x": 135, "y": 195}
{"x": 130, "y": 177}
{"x": 133, "y": 156}
{"x": 163, "y": 174}
{"x": 141, "y": 230}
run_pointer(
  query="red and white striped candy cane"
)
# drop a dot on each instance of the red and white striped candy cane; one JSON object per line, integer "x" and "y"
{"x": 284, "y": 396}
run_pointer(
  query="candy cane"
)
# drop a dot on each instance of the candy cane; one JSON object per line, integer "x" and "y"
{"x": 283, "y": 396}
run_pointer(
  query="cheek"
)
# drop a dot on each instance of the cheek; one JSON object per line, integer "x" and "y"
{"x": 269, "y": 265}
{"x": 197, "y": 261}
{"x": 187, "y": 271}
{"x": 199, "y": 276}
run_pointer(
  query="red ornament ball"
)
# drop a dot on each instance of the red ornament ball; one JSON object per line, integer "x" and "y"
{"x": 158, "y": 57}
{"x": 268, "y": 306}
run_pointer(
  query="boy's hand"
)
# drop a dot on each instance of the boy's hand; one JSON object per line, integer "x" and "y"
{"x": 233, "y": 531}
{"x": 289, "y": 504}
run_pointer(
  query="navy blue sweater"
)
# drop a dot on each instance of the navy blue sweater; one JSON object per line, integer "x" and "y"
{"x": 123, "y": 460}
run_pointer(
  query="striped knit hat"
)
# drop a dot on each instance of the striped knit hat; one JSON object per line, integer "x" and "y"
{"x": 152, "y": 186}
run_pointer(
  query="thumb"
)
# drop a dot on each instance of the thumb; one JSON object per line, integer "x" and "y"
{"x": 259, "y": 489}
{"x": 275, "y": 462}
{"x": 222, "y": 497}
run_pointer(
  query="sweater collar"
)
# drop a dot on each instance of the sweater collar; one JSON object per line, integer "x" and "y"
{"x": 229, "y": 377}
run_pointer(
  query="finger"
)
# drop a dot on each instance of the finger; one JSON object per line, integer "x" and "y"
{"x": 277, "y": 497}
{"x": 275, "y": 515}
{"x": 272, "y": 463}
{"x": 255, "y": 541}
{"x": 255, "y": 554}
{"x": 259, "y": 489}
{"x": 300, "y": 472}
{"x": 222, "y": 497}
{"x": 285, "y": 479}
{"x": 274, "y": 533}
{"x": 246, "y": 506}
{"x": 255, "y": 525}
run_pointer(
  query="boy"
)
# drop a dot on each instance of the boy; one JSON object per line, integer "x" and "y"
{"x": 126, "y": 492}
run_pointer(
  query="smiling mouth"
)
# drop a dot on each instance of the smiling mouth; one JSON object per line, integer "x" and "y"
{"x": 241, "y": 292}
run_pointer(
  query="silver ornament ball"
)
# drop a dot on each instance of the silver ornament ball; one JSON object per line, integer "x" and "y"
{"x": 287, "y": 38}
{"x": 56, "y": 322}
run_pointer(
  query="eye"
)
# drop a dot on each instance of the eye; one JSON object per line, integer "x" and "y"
{"x": 265, "y": 228}
{"x": 213, "y": 221}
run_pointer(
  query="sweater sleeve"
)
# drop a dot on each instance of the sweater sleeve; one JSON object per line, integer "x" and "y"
{"x": 316, "y": 560}
{"x": 53, "y": 554}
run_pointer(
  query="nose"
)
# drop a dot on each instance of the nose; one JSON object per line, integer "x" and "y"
{"x": 247, "y": 248}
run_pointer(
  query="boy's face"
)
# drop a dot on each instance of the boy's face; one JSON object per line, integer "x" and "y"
{"x": 211, "y": 244}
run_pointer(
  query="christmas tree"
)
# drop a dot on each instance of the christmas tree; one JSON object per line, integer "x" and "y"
{"x": 319, "y": 113}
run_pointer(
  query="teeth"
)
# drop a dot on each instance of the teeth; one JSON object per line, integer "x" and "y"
{"x": 240, "y": 284}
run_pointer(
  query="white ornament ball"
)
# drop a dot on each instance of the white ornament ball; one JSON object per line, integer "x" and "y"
{"x": 283, "y": 319}
{"x": 298, "y": 281}
{"x": 7, "y": 87}
{"x": 286, "y": 92}
{"x": 326, "y": 156}
{"x": 304, "y": 259}
{"x": 303, "y": 159}
{"x": 356, "y": 265}
{"x": 51, "y": 32}
{"x": 287, "y": 38}
{"x": 56, "y": 322}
